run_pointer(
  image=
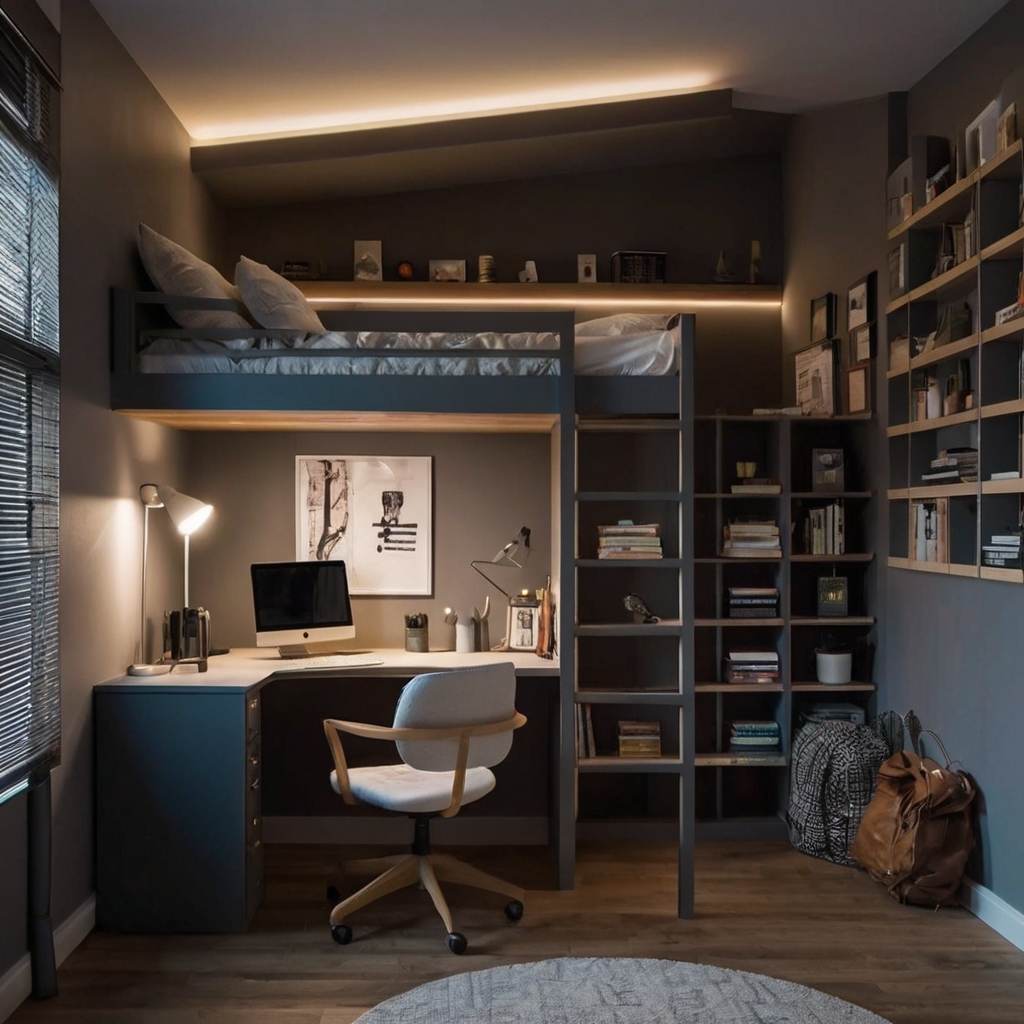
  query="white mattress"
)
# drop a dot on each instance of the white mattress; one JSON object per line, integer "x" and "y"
{"x": 642, "y": 352}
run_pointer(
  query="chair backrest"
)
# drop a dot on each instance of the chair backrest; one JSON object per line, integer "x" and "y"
{"x": 462, "y": 696}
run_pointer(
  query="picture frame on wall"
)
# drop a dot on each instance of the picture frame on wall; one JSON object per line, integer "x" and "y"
{"x": 817, "y": 378}
{"x": 374, "y": 512}
{"x": 823, "y": 317}
{"x": 857, "y": 388}
{"x": 860, "y": 302}
{"x": 862, "y": 343}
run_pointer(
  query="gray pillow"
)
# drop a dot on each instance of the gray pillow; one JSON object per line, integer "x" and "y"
{"x": 274, "y": 302}
{"x": 176, "y": 271}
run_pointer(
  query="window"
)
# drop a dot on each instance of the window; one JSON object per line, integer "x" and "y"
{"x": 29, "y": 418}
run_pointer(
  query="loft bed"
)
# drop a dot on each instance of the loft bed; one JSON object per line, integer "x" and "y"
{"x": 411, "y": 362}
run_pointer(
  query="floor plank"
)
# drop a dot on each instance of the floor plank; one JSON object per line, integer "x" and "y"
{"x": 761, "y": 907}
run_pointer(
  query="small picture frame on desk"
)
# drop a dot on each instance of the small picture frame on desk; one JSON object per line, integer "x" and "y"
{"x": 857, "y": 388}
{"x": 523, "y": 623}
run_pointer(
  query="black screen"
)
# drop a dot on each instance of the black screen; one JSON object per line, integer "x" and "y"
{"x": 300, "y": 595}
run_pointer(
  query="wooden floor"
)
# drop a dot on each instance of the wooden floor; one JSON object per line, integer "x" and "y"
{"x": 760, "y": 907}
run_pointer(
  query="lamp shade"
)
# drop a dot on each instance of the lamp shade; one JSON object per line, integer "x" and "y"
{"x": 187, "y": 513}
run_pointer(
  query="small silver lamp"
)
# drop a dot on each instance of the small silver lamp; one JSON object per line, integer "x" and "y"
{"x": 513, "y": 556}
{"x": 187, "y": 514}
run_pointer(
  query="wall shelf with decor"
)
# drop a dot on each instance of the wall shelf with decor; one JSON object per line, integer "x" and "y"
{"x": 955, "y": 320}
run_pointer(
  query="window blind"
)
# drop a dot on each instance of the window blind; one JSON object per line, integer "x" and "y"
{"x": 29, "y": 421}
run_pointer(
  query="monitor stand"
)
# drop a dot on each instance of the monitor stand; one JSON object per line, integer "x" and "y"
{"x": 315, "y": 649}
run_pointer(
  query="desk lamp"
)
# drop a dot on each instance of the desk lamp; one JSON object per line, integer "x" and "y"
{"x": 513, "y": 556}
{"x": 187, "y": 514}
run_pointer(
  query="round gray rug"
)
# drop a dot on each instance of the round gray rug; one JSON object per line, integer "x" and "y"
{"x": 614, "y": 991}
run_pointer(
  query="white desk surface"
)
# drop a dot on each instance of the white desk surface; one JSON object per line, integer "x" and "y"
{"x": 245, "y": 667}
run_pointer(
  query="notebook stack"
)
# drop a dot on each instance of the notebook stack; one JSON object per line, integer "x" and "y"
{"x": 752, "y": 667}
{"x": 751, "y": 538}
{"x": 757, "y": 485}
{"x": 953, "y": 466}
{"x": 639, "y": 739}
{"x": 627, "y": 539}
{"x": 1003, "y": 550}
{"x": 755, "y": 737}
{"x": 753, "y": 602}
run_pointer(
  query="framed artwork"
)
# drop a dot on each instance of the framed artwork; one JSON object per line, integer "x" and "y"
{"x": 816, "y": 378}
{"x": 860, "y": 302}
{"x": 823, "y": 317}
{"x": 523, "y": 624}
{"x": 373, "y": 512}
{"x": 857, "y": 388}
{"x": 447, "y": 270}
{"x": 862, "y": 343}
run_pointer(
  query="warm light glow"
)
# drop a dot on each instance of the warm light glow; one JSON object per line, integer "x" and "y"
{"x": 189, "y": 526}
{"x": 453, "y": 300}
{"x": 576, "y": 94}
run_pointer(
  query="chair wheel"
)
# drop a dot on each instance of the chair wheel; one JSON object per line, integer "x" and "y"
{"x": 333, "y": 895}
{"x": 514, "y": 910}
{"x": 457, "y": 943}
{"x": 342, "y": 934}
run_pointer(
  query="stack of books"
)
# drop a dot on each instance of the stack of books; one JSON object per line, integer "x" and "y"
{"x": 757, "y": 485}
{"x": 840, "y": 711}
{"x": 753, "y": 602}
{"x": 751, "y": 538}
{"x": 639, "y": 739}
{"x": 584, "y": 732}
{"x": 931, "y": 530}
{"x": 825, "y": 530}
{"x": 752, "y": 667}
{"x": 1003, "y": 550}
{"x": 953, "y": 466}
{"x": 627, "y": 539}
{"x": 755, "y": 737}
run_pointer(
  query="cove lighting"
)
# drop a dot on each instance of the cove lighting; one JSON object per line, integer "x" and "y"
{"x": 576, "y": 94}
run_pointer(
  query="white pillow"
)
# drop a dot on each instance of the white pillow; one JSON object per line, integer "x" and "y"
{"x": 621, "y": 323}
{"x": 176, "y": 271}
{"x": 274, "y": 302}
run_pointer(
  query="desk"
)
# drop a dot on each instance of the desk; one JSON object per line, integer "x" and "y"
{"x": 179, "y": 785}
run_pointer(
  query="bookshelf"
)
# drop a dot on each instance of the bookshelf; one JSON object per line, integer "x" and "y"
{"x": 943, "y": 527}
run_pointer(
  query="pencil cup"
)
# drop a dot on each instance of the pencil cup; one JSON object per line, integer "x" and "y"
{"x": 465, "y": 638}
{"x": 416, "y": 639}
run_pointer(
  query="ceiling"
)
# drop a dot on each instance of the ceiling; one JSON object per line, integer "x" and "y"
{"x": 234, "y": 70}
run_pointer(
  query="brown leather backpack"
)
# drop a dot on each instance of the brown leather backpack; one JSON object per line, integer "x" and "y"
{"x": 916, "y": 834}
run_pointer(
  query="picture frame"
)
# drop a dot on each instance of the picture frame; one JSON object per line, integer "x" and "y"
{"x": 862, "y": 343}
{"x": 817, "y": 373}
{"x": 860, "y": 302}
{"x": 857, "y": 388}
{"x": 374, "y": 512}
{"x": 448, "y": 270}
{"x": 823, "y": 317}
{"x": 367, "y": 263}
{"x": 523, "y": 624}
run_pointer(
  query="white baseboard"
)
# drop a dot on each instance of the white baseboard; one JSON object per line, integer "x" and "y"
{"x": 994, "y": 911}
{"x": 394, "y": 831}
{"x": 16, "y": 984}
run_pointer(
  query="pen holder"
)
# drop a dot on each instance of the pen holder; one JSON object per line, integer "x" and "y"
{"x": 416, "y": 639}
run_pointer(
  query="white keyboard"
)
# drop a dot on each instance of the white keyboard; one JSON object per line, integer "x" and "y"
{"x": 322, "y": 661}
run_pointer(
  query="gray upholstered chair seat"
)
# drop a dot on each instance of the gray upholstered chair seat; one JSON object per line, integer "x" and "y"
{"x": 398, "y": 787}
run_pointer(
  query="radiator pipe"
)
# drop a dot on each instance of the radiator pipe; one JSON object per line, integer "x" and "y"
{"x": 40, "y": 856}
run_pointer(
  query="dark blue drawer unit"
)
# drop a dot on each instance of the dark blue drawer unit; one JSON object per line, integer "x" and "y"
{"x": 178, "y": 808}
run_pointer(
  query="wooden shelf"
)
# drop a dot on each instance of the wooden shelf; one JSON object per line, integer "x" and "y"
{"x": 939, "y": 568}
{"x": 857, "y": 556}
{"x": 956, "y": 569}
{"x": 1001, "y": 331}
{"x": 655, "y": 697}
{"x": 1015, "y": 486}
{"x": 990, "y": 572}
{"x": 899, "y": 494}
{"x": 1001, "y": 165}
{"x": 668, "y": 627}
{"x": 897, "y": 429}
{"x": 629, "y": 563}
{"x": 832, "y": 620}
{"x": 725, "y": 760}
{"x": 833, "y": 687}
{"x": 1007, "y": 248}
{"x": 942, "y": 208}
{"x": 629, "y": 496}
{"x": 744, "y": 497}
{"x": 619, "y": 425}
{"x": 961, "y": 490}
{"x": 896, "y": 562}
{"x": 957, "y": 277}
{"x": 740, "y": 622}
{"x": 739, "y": 687}
{"x": 944, "y": 352}
{"x": 937, "y": 423}
{"x": 1011, "y": 408}
{"x": 627, "y": 765}
{"x": 829, "y": 495}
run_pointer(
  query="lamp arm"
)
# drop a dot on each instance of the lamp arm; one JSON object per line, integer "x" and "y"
{"x": 482, "y": 561}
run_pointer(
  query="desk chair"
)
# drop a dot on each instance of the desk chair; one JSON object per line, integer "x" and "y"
{"x": 450, "y": 729}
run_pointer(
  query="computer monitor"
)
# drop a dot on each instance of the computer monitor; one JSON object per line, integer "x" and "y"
{"x": 300, "y": 604}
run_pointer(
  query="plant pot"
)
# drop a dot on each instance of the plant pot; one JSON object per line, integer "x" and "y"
{"x": 834, "y": 667}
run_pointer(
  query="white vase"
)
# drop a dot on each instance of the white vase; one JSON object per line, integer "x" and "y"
{"x": 834, "y": 667}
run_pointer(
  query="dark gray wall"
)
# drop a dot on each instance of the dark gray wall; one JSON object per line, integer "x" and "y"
{"x": 485, "y": 487}
{"x": 950, "y": 647}
{"x": 124, "y": 157}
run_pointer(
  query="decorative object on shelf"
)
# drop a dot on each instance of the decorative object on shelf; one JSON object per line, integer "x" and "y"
{"x": 817, "y": 378}
{"x": 759, "y": 666}
{"x": 638, "y": 267}
{"x": 188, "y": 514}
{"x": 823, "y": 317}
{"x": 528, "y": 275}
{"x": 639, "y": 739}
{"x": 524, "y": 621}
{"x": 405, "y": 270}
{"x": 899, "y": 354}
{"x": 899, "y": 197}
{"x": 367, "y": 261}
{"x": 752, "y": 602}
{"x": 833, "y": 596}
{"x": 935, "y": 185}
{"x": 748, "y": 483}
{"x": 897, "y": 264}
{"x": 1006, "y": 128}
{"x": 755, "y": 262}
{"x": 638, "y": 607}
{"x": 1003, "y": 551}
{"x": 372, "y": 512}
{"x": 857, "y": 388}
{"x": 485, "y": 270}
{"x": 824, "y": 529}
{"x": 833, "y": 663}
{"x": 723, "y": 275}
{"x": 546, "y": 624}
{"x": 586, "y": 268}
{"x": 860, "y": 302}
{"x": 929, "y": 163}
{"x": 465, "y": 638}
{"x": 980, "y": 138}
{"x": 296, "y": 270}
{"x": 482, "y": 625}
{"x": 447, "y": 270}
{"x": 930, "y": 531}
{"x": 828, "y": 475}
{"x": 416, "y": 635}
{"x": 745, "y": 470}
{"x": 626, "y": 540}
